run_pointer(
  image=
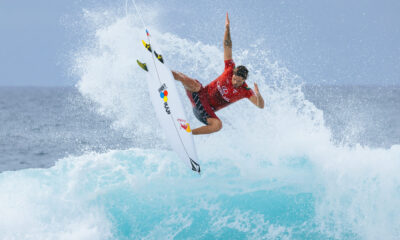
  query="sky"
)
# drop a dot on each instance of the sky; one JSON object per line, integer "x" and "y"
{"x": 324, "y": 42}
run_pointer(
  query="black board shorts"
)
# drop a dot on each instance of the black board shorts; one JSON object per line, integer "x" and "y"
{"x": 199, "y": 112}
{"x": 201, "y": 108}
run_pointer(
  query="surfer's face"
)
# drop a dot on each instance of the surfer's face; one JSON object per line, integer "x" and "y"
{"x": 237, "y": 81}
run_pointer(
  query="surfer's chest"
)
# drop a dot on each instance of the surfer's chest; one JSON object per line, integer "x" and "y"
{"x": 228, "y": 92}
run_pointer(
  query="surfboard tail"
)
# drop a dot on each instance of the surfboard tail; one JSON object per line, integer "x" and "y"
{"x": 195, "y": 166}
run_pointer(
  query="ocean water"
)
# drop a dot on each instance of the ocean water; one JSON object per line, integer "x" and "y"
{"x": 43, "y": 124}
{"x": 89, "y": 162}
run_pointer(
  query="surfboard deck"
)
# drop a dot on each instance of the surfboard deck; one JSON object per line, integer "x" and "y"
{"x": 168, "y": 107}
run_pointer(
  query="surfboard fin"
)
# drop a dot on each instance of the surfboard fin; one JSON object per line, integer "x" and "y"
{"x": 195, "y": 166}
{"x": 159, "y": 57}
{"x": 147, "y": 46}
{"x": 142, "y": 65}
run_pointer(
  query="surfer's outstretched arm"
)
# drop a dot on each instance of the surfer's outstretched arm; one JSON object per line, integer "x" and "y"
{"x": 227, "y": 40}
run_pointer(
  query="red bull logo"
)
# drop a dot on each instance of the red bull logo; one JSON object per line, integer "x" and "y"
{"x": 184, "y": 125}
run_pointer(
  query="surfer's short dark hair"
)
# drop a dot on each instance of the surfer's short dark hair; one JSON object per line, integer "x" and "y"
{"x": 241, "y": 71}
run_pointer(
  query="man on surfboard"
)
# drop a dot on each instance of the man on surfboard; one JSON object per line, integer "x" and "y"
{"x": 228, "y": 88}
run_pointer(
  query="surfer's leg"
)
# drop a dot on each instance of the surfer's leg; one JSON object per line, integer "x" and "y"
{"x": 214, "y": 125}
{"x": 189, "y": 83}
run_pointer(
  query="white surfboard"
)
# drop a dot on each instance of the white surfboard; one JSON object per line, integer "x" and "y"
{"x": 169, "y": 110}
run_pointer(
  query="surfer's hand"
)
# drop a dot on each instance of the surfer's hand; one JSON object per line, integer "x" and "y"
{"x": 227, "y": 20}
{"x": 257, "y": 99}
{"x": 256, "y": 89}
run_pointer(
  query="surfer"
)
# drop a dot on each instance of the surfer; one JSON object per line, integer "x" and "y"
{"x": 228, "y": 88}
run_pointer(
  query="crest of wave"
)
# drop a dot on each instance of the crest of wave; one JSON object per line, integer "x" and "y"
{"x": 109, "y": 76}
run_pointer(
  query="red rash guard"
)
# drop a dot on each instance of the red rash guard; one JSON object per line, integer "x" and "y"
{"x": 221, "y": 92}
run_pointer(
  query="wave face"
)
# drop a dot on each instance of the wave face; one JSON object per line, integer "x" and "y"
{"x": 268, "y": 174}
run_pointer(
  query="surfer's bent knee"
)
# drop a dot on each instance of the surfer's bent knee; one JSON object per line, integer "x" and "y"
{"x": 215, "y": 123}
{"x": 196, "y": 87}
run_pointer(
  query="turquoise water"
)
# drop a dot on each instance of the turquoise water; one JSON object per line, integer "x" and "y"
{"x": 149, "y": 194}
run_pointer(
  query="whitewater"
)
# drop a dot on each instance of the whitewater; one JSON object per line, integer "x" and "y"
{"x": 268, "y": 174}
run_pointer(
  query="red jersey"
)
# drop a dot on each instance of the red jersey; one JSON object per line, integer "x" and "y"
{"x": 221, "y": 92}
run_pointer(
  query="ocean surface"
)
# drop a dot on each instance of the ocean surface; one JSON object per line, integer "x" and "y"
{"x": 67, "y": 173}
{"x": 90, "y": 162}
{"x": 43, "y": 124}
